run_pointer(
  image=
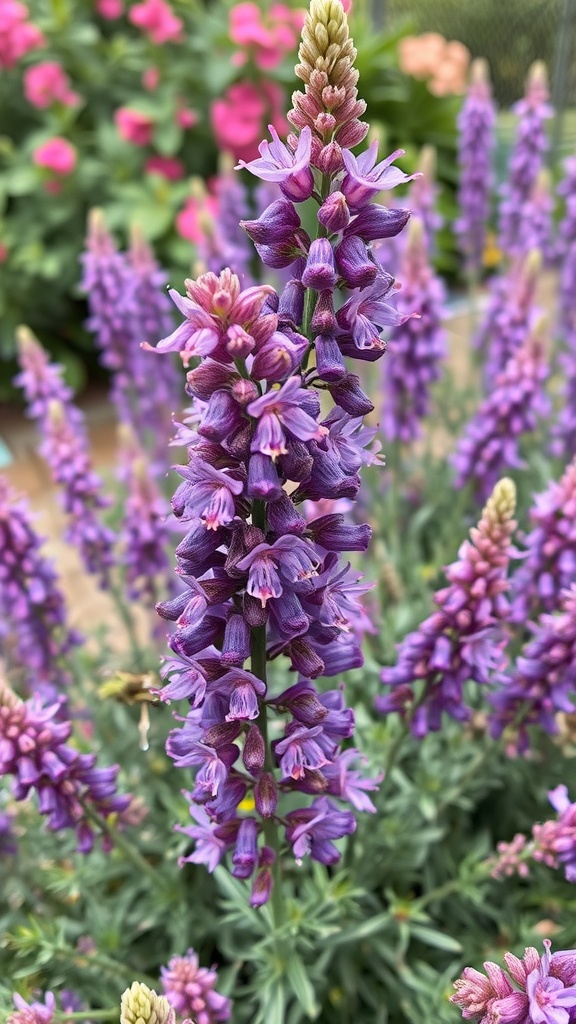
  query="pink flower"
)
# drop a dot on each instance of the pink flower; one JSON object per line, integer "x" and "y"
{"x": 48, "y": 83}
{"x": 186, "y": 117}
{"x": 17, "y": 36}
{"x": 189, "y": 222}
{"x": 169, "y": 167}
{"x": 150, "y": 79}
{"x": 3, "y": 252}
{"x": 57, "y": 155}
{"x": 266, "y": 37}
{"x": 133, "y": 126}
{"x": 238, "y": 119}
{"x": 110, "y": 9}
{"x": 157, "y": 19}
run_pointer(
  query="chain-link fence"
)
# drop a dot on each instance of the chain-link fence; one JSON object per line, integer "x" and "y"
{"x": 511, "y": 34}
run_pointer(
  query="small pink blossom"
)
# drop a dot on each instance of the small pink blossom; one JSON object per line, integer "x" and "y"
{"x": 17, "y": 36}
{"x": 189, "y": 222}
{"x": 266, "y": 37}
{"x": 48, "y": 83}
{"x": 238, "y": 118}
{"x": 151, "y": 79}
{"x": 133, "y": 126}
{"x": 110, "y": 9}
{"x": 3, "y": 252}
{"x": 169, "y": 167}
{"x": 57, "y": 155}
{"x": 186, "y": 117}
{"x": 157, "y": 19}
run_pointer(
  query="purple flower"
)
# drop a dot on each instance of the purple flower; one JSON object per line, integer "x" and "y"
{"x": 144, "y": 530}
{"x": 313, "y": 829}
{"x": 33, "y": 1013}
{"x": 476, "y": 124}
{"x": 190, "y": 990}
{"x": 283, "y": 411}
{"x": 564, "y": 430}
{"x": 290, "y": 169}
{"x": 364, "y": 178}
{"x": 510, "y": 317}
{"x": 555, "y": 841}
{"x": 464, "y": 639}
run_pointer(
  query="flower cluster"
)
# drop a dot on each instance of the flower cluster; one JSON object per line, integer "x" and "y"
{"x": 542, "y": 682}
{"x": 464, "y": 639}
{"x": 490, "y": 443}
{"x": 157, "y": 20}
{"x": 17, "y": 35}
{"x": 128, "y": 307}
{"x": 534, "y": 990}
{"x": 476, "y": 125}
{"x": 33, "y": 1013}
{"x": 65, "y": 448}
{"x": 32, "y": 606}
{"x": 190, "y": 990}
{"x": 417, "y": 347}
{"x": 554, "y": 842}
{"x": 510, "y": 316}
{"x": 442, "y": 63}
{"x": 264, "y": 38}
{"x": 527, "y": 159}
{"x": 550, "y": 562}
{"x": 70, "y": 788}
{"x": 239, "y": 117}
{"x": 141, "y": 1005}
{"x": 536, "y": 230}
{"x": 261, "y": 579}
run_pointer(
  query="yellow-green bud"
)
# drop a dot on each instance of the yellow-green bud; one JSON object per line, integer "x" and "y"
{"x": 140, "y": 1005}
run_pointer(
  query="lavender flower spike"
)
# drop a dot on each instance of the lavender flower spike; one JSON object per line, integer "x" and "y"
{"x": 510, "y": 316}
{"x": 489, "y": 445}
{"x": 476, "y": 126}
{"x": 527, "y": 159}
{"x": 416, "y": 347}
{"x": 190, "y": 990}
{"x": 542, "y": 682}
{"x": 564, "y": 430}
{"x": 550, "y": 565}
{"x": 464, "y": 639}
{"x": 32, "y": 606}
{"x": 534, "y": 990}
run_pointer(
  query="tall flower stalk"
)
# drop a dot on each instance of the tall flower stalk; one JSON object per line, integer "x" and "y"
{"x": 476, "y": 126}
{"x": 261, "y": 580}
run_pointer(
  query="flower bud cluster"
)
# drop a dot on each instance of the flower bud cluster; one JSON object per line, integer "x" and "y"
{"x": 190, "y": 990}
{"x": 476, "y": 126}
{"x": 527, "y": 159}
{"x": 550, "y": 563}
{"x": 34, "y": 750}
{"x": 464, "y": 639}
{"x": 261, "y": 579}
{"x": 417, "y": 347}
{"x": 490, "y": 443}
{"x": 141, "y": 1005}
{"x": 31, "y": 604}
{"x": 534, "y": 989}
{"x": 542, "y": 682}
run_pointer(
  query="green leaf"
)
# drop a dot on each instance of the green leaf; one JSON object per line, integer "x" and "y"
{"x": 361, "y": 931}
{"x": 437, "y": 939}
{"x": 274, "y": 1006}
{"x": 302, "y": 986}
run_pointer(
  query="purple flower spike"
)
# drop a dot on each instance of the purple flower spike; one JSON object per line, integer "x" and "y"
{"x": 476, "y": 124}
{"x": 291, "y": 170}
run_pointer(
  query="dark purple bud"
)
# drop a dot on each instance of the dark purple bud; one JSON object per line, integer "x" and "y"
{"x": 266, "y": 795}
{"x": 277, "y": 223}
{"x": 291, "y": 304}
{"x": 263, "y": 480}
{"x": 243, "y": 539}
{"x": 261, "y": 888}
{"x": 172, "y": 610}
{"x": 198, "y": 547}
{"x": 254, "y": 613}
{"x": 333, "y": 533}
{"x": 208, "y": 378}
{"x": 219, "y": 588}
{"x": 271, "y": 304}
{"x": 354, "y": 262}
{"x": 297, "y": 463}
{"x": 239, "y": 444}
{"x": 375, "y": 222}
{"x": 348, "y": 395}
{"x": 324, "y": 319}
{"x": 254, "y": 752}
{"x": 304, "y": 658}
{"x": 283, "y": 517}
{"x": 246, "y": 850}
{"x": 329, "y": 159}
{"x": 329, "y": 362}
{"x": 244, "y": 391}
{"x": 279, "y": 357}
{"x": 236, "y": 645}
{"x": 191, "y": 639}
{"x": 282, "y": 254}
{"x": 320, "y": 272}
{"x": 368, "y": 355}
{"x": 334, "y": 213}
{"x": 222, "y": 417}
{"x": 222, "y": 735}
{"x": 302, "y": 701}
{"x": 288, "y": 617}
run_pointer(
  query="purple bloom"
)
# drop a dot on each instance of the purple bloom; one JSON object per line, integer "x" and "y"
{"x": 31, "y": 603}
{"x": 364, "y": 178}
{"x": 564, "y": 430}
{"x": 144, "y": 530}
{"x": 490, "y": 443}
{"x": 510, "y": 317}
{"x": 476, "y": 124}
{"x": 283, "y": 411}
{"x": 33, "y": 1013}
{"x": 190, "y": 990}
{"x": 313, "y": 829}
{"x": 291, "y": 170}
{"x": 464, "y": 639}
{"x": 417, "y": 346}
{"x": 555, "y": 841}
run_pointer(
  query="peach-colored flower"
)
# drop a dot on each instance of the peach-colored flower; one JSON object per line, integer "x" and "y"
{"x": 169, "y": 167}
{"x": 430, "y": 56}
{"x": 157, "y": 19}
{"x": 57, "y": 155}
{"x": 134, "y": 126}
{"x": 48, "y": 83}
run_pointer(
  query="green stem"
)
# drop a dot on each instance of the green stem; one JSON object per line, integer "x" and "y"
{"x": 137, "y": 652}
{"x": 393, "y": 752}
{"x": 87, "y": 1015}
{"x": 144, "y": 867}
